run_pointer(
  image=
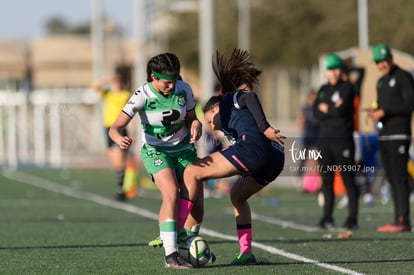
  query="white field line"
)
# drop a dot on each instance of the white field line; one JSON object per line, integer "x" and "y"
{"x": 68, "y": 191}
{"x": 284, "y": 224}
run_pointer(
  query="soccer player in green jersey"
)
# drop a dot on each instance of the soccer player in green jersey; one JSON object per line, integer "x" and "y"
{"x": 166, "y": 107}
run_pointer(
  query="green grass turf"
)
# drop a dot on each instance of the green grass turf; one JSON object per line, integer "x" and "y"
{"x": 44, "y": 232}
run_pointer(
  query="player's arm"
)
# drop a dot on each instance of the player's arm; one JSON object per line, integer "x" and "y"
{"x": 134, "y": 104}
{"x": 251, "y": 101}
{"x": 98, "y": 85}
{"x": 194, "y": 125}
{"x": 116, "y": 129}
{"x": 128, "y": 114}
{"x": 360, "y": 77}
{"x": 191, "y": 120}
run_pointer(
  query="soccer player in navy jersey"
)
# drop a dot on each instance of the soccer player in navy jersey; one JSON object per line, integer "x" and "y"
{"x": 257, "y": 150}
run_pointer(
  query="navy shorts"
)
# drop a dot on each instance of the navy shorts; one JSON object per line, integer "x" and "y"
{"x": 256, "y": 157}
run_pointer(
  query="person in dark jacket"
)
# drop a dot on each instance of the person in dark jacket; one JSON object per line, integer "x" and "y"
{"x": 334, "y": 107}
{"x": 395, "y": 103}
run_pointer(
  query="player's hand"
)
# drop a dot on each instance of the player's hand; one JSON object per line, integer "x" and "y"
{"x": 274, "y": 135}
{"x": 125, "y": 142}
{"x": 375, "y": 114}
{"x": 339, "y": 102}
{"x": 195, "y": 131}
{"x": 323, "y": 107}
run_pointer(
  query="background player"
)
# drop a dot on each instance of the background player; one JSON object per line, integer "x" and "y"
{"x": 395, "y": 100}
{"x": 334, "y": 107}
{"x": 115, "y": 96}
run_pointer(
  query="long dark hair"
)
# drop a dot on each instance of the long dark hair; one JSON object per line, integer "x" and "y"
{"x": 165, "y": 63}
{"x": 236, "y": 70}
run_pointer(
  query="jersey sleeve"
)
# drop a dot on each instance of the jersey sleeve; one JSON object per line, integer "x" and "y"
{"x": 191, "y": 103}
{"x": 135, "y": 102}
{"x": 251, "y": 101}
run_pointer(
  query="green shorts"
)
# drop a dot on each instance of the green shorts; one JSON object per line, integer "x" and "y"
{"x": 155, "y": 160}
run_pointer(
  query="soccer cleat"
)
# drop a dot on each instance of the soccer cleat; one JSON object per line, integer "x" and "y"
{"x": 182, "y": 236}
{"x": 393, "y": 228}
{"x": 157, "y": 242}
{"x": 174, "y": 261}
{"x": 244, "y": 259}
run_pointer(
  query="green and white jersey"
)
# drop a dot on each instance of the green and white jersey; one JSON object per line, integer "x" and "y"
{"x": 163, "y": 118}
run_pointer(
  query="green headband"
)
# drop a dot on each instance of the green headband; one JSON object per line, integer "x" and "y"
{"x": 164, "y": 76}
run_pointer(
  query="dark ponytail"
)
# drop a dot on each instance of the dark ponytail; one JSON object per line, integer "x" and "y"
{"x": 236, "y": 70}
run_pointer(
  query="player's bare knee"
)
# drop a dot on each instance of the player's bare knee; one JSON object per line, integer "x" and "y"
{"x": 190, "y": 173}
{"x": 170, "y": 195}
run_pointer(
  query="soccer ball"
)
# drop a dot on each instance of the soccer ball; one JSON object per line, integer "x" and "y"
{"x": 195, "y": 250}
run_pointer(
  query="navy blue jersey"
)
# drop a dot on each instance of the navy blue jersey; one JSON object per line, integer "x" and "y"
{"x": 237, "y": 120}
{"x": 251, "y": 153}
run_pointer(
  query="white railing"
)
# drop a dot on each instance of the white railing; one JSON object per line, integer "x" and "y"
{"x": 50, "y": 127}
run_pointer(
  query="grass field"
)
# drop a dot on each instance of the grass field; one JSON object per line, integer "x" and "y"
{"x": 66, "y": 222}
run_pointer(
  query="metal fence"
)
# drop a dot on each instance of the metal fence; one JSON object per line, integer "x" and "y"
{"x": 50, "y": 128}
